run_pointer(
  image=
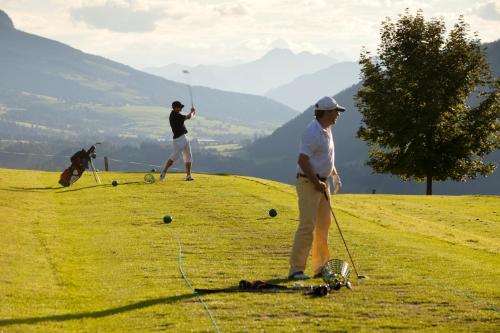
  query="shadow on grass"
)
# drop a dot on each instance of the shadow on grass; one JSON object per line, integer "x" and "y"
{"x": 96, "y": 314}
{"x": 102, "y": 185}
{"x": 64, "y": 190}
{"x": 236, "y": 288}
{"x": 32, "y": 189}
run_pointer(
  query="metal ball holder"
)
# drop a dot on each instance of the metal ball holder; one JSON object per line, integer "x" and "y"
{"x": 336, "y": 274}
{"x": 149, "y": 178}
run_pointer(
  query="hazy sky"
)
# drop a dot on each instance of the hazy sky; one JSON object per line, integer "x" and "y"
{"x": 144, "y": 33}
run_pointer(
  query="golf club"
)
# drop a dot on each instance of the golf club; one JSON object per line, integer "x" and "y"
{"x": 343, "y": 239}
{"x": 185, "y": 71}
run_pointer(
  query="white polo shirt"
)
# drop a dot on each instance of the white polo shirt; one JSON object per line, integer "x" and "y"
{"x": 317, "y": 143}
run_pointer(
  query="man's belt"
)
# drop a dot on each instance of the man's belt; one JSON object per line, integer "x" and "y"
{"x": 323, "y": 179}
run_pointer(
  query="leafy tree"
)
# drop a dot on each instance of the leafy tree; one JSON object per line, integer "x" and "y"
{"x": 415, "y": 101}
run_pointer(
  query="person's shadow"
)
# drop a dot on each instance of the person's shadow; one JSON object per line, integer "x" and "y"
{"x": 66, "y": 189}
{"x": 62, "y": 189}
{"x": 31, "y": 189}
{"x": 95, "y": 314}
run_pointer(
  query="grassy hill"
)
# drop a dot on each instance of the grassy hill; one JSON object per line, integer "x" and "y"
{"x": 99, "y": 258}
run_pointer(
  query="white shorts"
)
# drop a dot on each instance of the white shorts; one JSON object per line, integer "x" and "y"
{"x": 181, "y": 146}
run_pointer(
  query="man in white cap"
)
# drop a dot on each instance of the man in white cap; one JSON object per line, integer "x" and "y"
{"x": 316, "y": 163}
{"x": 180, "y": 142}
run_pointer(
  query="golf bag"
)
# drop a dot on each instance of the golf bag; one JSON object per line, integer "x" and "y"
{"x": 79, "y": 163}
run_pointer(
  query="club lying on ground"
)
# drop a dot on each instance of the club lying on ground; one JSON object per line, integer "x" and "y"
{"x": 263, "y": 287}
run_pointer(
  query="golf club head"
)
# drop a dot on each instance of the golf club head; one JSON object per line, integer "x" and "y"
{"x": 320, "y": 291}
{"x": 362, "y": 277}
{"x": 91, "y": 152}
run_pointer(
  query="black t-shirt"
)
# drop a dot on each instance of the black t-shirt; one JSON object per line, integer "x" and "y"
{"x": 177, "y": 123}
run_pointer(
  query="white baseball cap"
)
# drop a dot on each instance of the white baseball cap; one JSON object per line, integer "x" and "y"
{"x": 328, "y": 103}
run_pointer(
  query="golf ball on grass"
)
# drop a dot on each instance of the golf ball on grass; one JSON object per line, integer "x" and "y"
{"x": 273, "y": 212}
{"x": 114, "y": 183}
{"x": 167, "y": 219}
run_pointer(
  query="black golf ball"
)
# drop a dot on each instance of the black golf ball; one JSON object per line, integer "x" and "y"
{"x": 167, "y": 219}
{"x": 114, "y": 183}
{"x": 273, "y": 212}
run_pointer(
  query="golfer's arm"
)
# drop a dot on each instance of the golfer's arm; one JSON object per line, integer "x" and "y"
{"x": 306, "y": 167}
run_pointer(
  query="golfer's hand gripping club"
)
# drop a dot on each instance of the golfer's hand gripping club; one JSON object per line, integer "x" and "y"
{"x": 319, "y": 184}
{"x": 337, "y": 184}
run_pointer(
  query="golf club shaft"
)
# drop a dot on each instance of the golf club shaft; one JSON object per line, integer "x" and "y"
{"x": 189, "y": 86}
{"x": 191, "y": 95}
{"x": 340, "y": 232}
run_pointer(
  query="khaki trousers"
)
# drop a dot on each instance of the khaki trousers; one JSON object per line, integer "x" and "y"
{"x": 315, "y": 219}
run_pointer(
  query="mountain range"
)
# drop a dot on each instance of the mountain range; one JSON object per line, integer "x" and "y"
{"x": 308, "y": 88}
{"x": 274, "y": 69}
{"x": 47, "y": 83}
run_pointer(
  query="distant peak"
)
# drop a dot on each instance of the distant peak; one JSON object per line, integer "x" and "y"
{"x": 305, "y": 53}
{"x": 278, "y": 52}
{"x": 5, "y": 21}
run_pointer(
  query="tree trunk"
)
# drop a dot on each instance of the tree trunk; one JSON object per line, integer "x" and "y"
{"x": 429, "y": 184}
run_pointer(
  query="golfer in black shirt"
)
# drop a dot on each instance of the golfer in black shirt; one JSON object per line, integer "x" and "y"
{"x": 180, "y": 142}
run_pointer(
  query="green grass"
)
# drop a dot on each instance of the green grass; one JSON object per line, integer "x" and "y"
{"x": 225, "y": 149}
{"x": 144, "y": 121}
{"x": 153, "y": 120}
{"x": 98, "y": 258}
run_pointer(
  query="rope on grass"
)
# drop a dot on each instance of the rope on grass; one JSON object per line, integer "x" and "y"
{"x": 67, "y": 156}
{"x": 136, "y": 163}
{"x": 30, "y": 154}
{"x": 207, "y": 309}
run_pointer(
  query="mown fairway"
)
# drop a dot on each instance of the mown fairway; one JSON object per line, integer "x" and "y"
{"x": 99, "y": 258}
